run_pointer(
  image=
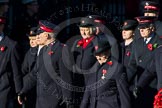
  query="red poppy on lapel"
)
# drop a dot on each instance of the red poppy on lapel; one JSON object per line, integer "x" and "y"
{"x": 80, "y": 43}
{"x": 104, "y": 71}
{"x": 2, "y": 48}
{"x": 110, "y": 63}
{"x": 50, "y": 53}
{"x": 128, "y": 53}
{"x": 96, "y": 47}
{"x": 150, "y": 47}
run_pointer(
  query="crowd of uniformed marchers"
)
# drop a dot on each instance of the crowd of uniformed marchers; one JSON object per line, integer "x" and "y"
{"x": 92, "y": 70}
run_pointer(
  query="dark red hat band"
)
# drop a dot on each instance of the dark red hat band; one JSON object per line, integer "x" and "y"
{"x": 46, "y": 29}
{"x": 99, "y": 21}
{"x": 151, "y": 7}
{"x": 2, "y": 20}
{"x": 145, "y": 21}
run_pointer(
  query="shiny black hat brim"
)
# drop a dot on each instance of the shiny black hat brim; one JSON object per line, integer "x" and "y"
{"x": 101, "y": 50}
{"x": 85, "y": 25}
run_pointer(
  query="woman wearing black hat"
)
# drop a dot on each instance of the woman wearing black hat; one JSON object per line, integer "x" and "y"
{"x": 128, "y": 36}
{"x": 107, "y": 87}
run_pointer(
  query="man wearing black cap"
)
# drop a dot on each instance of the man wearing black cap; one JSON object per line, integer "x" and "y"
{"x": 113, "y": 91}
{"x": 10, "y": 70}
{"x": 142, "y": 54}
{"x": 51, "y": 74}
{"x": 29, "y": 63}
{"x": 30, "y": 56}
{"x": 101, "y": 30}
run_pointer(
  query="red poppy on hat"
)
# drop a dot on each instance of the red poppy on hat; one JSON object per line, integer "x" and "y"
{"x": 125, "y": 23}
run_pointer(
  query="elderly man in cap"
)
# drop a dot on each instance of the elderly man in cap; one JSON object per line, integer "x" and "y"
{"x": 10, "y": 70}
{"x": 31, "y": 55}
{"x": 142, "y": 54}
{"x": 111, "y": 90}
{"x": 29, "y": 63}
{"x": 83, "y": 54}
{"x": 51, "y": 75}
{"x": 101, "y": 30}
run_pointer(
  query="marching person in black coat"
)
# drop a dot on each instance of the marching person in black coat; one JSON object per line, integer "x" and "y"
{"x": 51, "y": 75}
{"x": 128, "y": 29}
{"x": 128, "y": 36}
{"x": 10, "y": 69}
{"x": 142, "y": 55}
{"x": 31, "y": 55}
{"x": 107, "y": 87}
{"x": 28, "y": 65}
{"x": 83, "y": 54}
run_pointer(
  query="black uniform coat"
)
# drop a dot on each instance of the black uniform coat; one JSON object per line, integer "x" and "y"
{"x": 153, "y": 70}
{"x": 52, "y": 69}
{"x": 141, "y": 56}
{"x": 10, "y": 71}
{"x": 111, "y": 92}
{"x": 125, "y": 53}
{"x": 29, "y": 60}
{"x": 84, "y": 60}
{"x": 27, "y": 66}
{"x": 158, "y": 27}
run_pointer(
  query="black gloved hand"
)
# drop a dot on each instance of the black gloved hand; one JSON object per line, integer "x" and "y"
{"x": 137, "y": 91}
{"x": 21, "y": 98}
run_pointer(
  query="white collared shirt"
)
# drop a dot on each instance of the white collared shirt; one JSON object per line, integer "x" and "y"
{"x": 1, "y": 36}
{"x": 148, "y": 39}
{"x": 39, "y": 48}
